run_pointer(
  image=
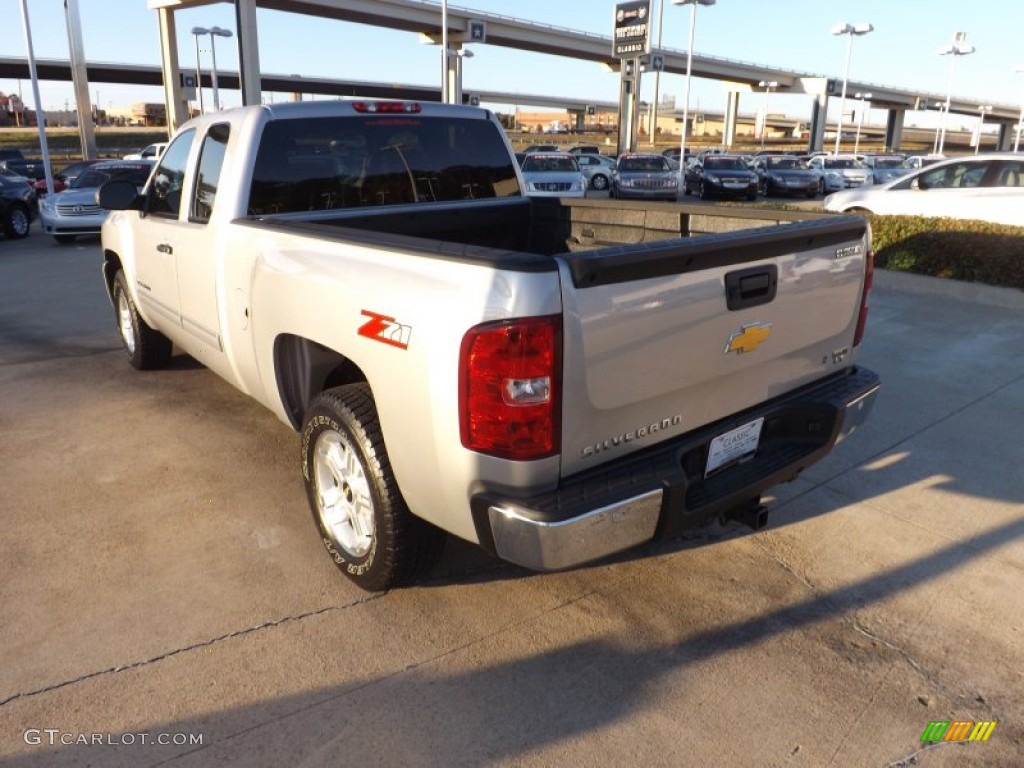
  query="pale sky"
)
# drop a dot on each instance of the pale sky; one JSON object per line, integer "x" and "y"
{"x": 901, "y": 52}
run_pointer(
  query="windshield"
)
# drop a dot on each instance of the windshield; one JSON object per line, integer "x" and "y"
{"x": 724, "y": 164}
{"x": 785, "y": 162}
{"x": 535, "y": 163}
{"x": 888, "y": 162}
{"x": 94, "y": 177}
{"x": 325, "y": 163}
{"x": 842, "y": 162}
{"x": 643, "y": 164}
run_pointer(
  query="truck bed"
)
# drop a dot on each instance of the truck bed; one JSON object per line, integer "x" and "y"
{"x": 515, "y": 234}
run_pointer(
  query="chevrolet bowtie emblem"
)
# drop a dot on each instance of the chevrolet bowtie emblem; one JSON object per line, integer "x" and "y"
{"x": 748, "y": 338}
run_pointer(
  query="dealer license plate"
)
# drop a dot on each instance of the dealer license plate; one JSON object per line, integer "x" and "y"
{"x": 734, "y": 445}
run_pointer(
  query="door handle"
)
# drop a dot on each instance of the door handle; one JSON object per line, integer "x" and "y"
{"x": 164, "y": 248}
{"x": 751, "y": 287}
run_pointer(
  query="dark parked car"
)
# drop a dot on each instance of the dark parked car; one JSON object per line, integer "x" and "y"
{"x": 645, "y": 176}
{"x": 721, "y": 176}
{"x": 18, "y": 207}
{"x": 62, "y": 179}
{"x": 14, "y": 160}
{"x": 786, "y": 175}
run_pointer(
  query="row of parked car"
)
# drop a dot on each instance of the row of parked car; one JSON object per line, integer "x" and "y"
{"x": 71, "y": 210}
{"x": 708, "y": 175}
{"x": 987, "y": 187}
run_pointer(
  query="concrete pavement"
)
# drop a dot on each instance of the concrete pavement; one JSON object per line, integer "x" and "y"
{"x": 162, "y": 580}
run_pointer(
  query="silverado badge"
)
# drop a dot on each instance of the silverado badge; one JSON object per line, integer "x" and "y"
{"x": 748, "y": 338}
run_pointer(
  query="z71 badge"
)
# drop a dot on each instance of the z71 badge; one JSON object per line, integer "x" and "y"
{"x": 385, "y": 329}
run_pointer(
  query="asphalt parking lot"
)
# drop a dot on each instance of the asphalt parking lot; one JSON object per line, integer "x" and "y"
{"x": 165, "y": 599}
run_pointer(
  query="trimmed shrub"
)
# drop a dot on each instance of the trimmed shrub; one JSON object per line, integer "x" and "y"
{"x": 974, "y": 251}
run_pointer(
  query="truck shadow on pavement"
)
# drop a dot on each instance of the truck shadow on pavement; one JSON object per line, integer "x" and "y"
{"x": 506, "y": 710}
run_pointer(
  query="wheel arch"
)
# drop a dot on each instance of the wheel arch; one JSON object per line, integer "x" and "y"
{"x": 111, "y": 265}
{"x": 304, "y": 368}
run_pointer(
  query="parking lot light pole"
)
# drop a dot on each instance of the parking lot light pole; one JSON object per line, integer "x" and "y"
{"x": 956, "y": 49}
{"x": 767, "y": 85}
{"x": 686, "y": 97}
{"x": 862, "y": 97}
{"x": 212, "y": 32}
{"x": 1020, "y": 120}
{"x": 982, "y": 108}
{"x": 197, "y": 32}
{"x": 849, "y": 30}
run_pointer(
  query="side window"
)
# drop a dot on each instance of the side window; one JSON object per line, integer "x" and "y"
{"x": 1011, "y": 174}
{"x": 211, "y": 159}
{"x": 164, "y": 195}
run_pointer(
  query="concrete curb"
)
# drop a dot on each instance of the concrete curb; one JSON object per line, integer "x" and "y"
{"x": 992, "y": 295}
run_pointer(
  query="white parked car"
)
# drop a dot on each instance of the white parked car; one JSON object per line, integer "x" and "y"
{"x": 553, "y": 174}
{"x": 151, "y": 152}
{"x": 983, "y": 187}
{"x": 840, "y": 172}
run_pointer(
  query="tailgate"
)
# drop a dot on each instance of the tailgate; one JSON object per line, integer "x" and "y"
{"x": 662, "y": 338}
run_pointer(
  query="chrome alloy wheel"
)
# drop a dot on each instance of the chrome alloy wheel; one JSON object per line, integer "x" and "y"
{"x": 124, "y": 322}
{"x": 343, "y": 496}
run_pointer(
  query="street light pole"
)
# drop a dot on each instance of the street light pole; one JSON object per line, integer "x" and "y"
{"x": 956, "y": 49}
{"x": 653, "y": 125}
{"x": 444, "y": 52}
{"x": 860, "y": 119}
{"x": 1020, "y": 120}
{"x": 982, "y": 108}
{"x": 849, "y": 30}
{"x": 197, "y": 31}
{"x": 686, "y": 98}
{"x": 767, "y": 85}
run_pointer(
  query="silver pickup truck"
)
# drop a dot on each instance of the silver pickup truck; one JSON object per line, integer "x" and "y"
{"x": 555, "y": 380}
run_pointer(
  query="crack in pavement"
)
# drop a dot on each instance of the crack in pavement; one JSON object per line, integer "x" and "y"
{"x": 184, "y": 649}
{"x": 384, "y": 678}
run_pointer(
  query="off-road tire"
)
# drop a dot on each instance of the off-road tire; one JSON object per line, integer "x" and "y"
{"x": 344, "y": 461}
{"x": 145, "y": 348}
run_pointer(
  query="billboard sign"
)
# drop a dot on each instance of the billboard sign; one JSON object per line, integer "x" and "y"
{"x": 631, "y": 32}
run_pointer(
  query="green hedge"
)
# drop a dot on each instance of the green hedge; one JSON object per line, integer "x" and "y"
{"x": 974, "y": 251}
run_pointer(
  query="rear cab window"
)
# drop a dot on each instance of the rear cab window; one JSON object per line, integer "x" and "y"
{"x": 325, "y": 163}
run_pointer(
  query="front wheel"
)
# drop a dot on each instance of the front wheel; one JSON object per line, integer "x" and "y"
{"x": 821, "y": 187}
{"x": 363, "y": 520}
{"x": 16, "y": 223}
{"x": 704, "y": 194}
{"x": 146, "y": 348}
{"x": 599, "y": 182}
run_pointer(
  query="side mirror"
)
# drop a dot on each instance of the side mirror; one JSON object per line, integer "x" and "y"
{"x": 915, "y": 184}
{"x": 119, "y": 196}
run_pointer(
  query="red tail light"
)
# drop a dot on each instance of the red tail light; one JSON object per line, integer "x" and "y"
{"x": 510, "y": 388}
{"x": 869, "y": 279}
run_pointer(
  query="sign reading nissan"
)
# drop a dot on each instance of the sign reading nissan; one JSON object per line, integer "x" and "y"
{"x": 631, "y": 37}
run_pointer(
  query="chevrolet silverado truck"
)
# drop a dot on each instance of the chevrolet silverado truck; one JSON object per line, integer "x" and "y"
{"x": 554, "y": 380}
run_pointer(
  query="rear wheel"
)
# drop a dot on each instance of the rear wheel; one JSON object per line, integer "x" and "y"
{"x": 146, "y": 349}
{"x": 16, "y": 222}
{"x": 363, "y": 520}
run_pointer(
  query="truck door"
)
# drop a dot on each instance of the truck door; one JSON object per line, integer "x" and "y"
{"x": 157, "y": 273}
{"x": 196, "y": 248}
